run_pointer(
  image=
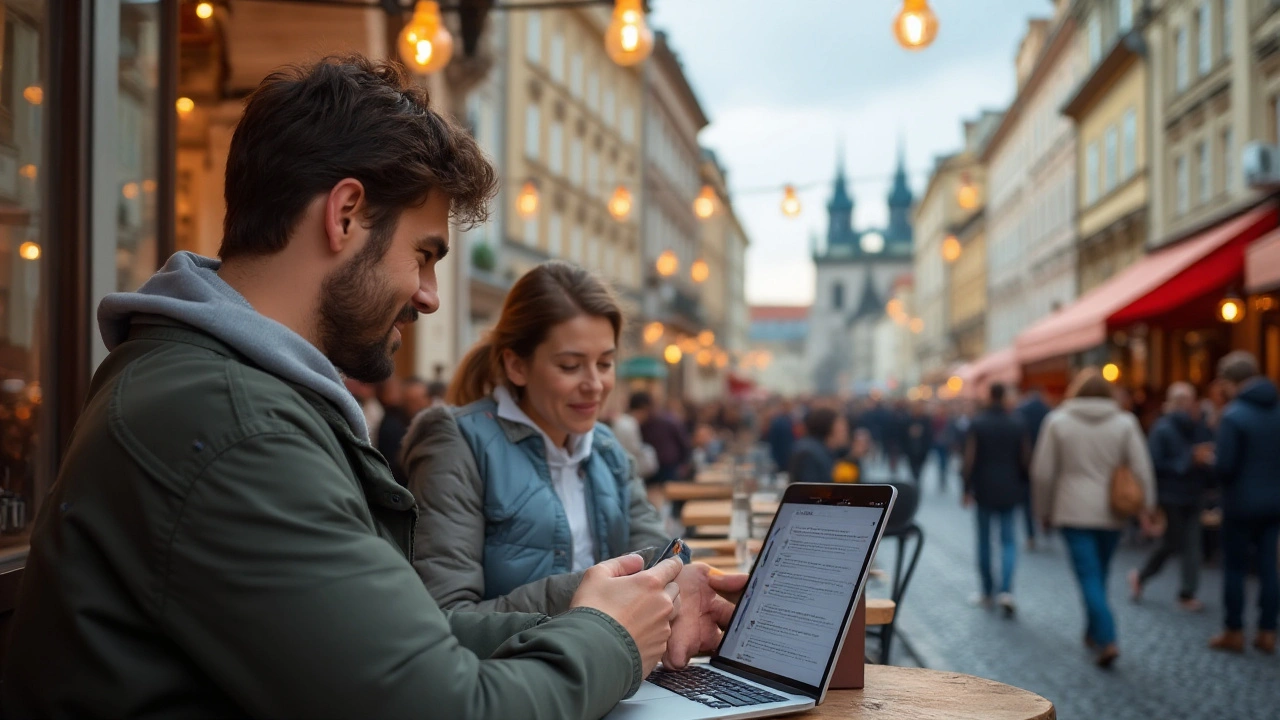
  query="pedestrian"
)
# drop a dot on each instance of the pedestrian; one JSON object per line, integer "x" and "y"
{"x": 814, "y": 458}
{"x": 994, "y": 461}
{"x": 940, "y": 425}
{"x": 1082, "y": 446}
{"x": 917, "y": 439}
{"x": 1031, "y": 413}
{"x": 781, "y": 434}
{"x": 1247, "y": 464}
{"x": 1182, "y": 457}
{"x": 222, "y": 539}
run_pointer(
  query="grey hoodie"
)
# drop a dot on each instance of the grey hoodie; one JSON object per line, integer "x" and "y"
{"x": 187, "y": 289}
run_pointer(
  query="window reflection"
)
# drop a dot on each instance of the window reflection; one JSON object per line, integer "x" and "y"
{"x": 138, "y": 149}
{"x": 22, "y": 251}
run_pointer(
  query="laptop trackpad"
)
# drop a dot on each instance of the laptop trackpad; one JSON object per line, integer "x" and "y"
{"x": 666, "y": 705}
{"x": 649, "y": 691}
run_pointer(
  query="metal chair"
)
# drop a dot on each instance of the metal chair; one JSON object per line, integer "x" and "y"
{"x": 909, "y": 538}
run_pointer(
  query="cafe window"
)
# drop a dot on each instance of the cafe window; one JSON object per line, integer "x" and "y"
{"x": 1129, "y": 156}
{"x": 1227, "y": 26}
{"x": 1205, "y": 168}
{"x": 1228, "y": 166}
{"x": 1204, "y": 49}
{"x": 1182, "y": 61}
{"x": 1182, "y": 180}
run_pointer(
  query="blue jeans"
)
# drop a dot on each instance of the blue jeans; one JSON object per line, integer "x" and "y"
{"x": 1241, "y": 538}
{"x": 1091, "y": 552}
{"x": 1008, "y": 549}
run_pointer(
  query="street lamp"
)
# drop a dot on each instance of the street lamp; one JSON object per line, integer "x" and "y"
{"x": 967, "y": 194}
{"x": 790, "y": 202}
{"x": 425, "y": 43}
{"x": 1111, "y": 372}
{"x": 29, "y": 250}
{"x": 1231, "y": 308}
{"x": 951, "y": 249}
{"x": 705, "y": 204}
{"x": 620, "y": 204}
{"x": 916, "y": 26}
{"x": 628, "y": 39}
{"x": 204, "y": 10}
{"x": 184, "y": 106}
{"x": 699, "y": 271}
{"x": 672, "y": 354}
{"x": 668, "y": 264}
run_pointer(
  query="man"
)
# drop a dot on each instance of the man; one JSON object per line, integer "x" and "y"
{"x": 1182, "y": 456}
{"x": 436, "y": 390}
{"x": 781, "y": 434}
{"x": 994, "y": 462}
{"x": 222, "y": 540}
{"x": 667, "y": 437}
{"x": 1247, "y": 464}
{"x": 1031, "y": 413}
{"x": 917, "y": 439}
{"x": 626, "y": 427}
{"x": 814, "y": 458}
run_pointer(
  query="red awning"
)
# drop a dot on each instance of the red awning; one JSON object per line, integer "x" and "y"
{"x": 1262, "y": 264}
{"x": 1154, "y": 285}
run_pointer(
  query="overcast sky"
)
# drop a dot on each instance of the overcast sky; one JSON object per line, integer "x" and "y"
{"x": 783, "y": 80}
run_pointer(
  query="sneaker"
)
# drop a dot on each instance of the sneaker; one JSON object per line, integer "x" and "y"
{"x": 1228, "y": 641}
{"x": 1266, "y": 641}
{"x": 1108, "y": 656}
{"x": 1007, "y": 606}
{"x": 983, "y": 601}
{"x": 1135, "y": 586}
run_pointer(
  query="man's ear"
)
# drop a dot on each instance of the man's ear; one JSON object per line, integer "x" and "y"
{"x": 517, "y": 370}
{"x": 343, "y": 211}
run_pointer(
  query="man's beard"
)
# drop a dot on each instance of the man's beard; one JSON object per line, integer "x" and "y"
{"x": 354, "y": 309}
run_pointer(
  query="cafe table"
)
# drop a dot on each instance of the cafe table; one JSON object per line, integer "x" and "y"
{"x": 898, "y": 693}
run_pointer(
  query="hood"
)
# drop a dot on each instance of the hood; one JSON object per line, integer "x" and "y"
{"x": 188, "y": 290}
{"x": 1092, "y": 410}
{"x": 1259, "y": 391}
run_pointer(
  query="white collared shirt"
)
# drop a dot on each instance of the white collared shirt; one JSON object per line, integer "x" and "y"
{"x": 568, "y": 482}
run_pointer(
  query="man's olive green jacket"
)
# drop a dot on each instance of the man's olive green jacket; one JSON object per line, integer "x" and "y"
{"x": 219, "y": 543}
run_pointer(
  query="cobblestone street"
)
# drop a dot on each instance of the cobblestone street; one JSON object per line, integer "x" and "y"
{"x": 1165, "y": 669}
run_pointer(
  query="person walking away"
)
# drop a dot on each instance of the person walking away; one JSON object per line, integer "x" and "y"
{"x": 1182, "y": 456}
{"x": 917, "y": 439}
{"x": 781, "y": 434}
{"x": 1081, "y": 447}
{"x": 814, "y": 458}
{"x": 1031, "y": 413}
{"x": 1247, "y": 463}
{"x": 995, "y": 459}
{"x": 940, "y": 426}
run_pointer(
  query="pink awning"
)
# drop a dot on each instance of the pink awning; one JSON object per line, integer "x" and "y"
{"x": 1262, "y": 264}
{"x": 1154, "y": 284}
{"x": 999, "y": 366}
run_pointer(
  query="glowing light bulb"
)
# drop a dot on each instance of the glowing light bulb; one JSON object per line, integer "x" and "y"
{"x": 668, "y": 264}
{"x": 33, "y": 94}
{"x": 426, "y": 45}
{"x": 527, "y": 201}
{"x": 1231, "y": 309}
{"x": 706, "y": 338}
{"x": 967, "y": 194}
{"x": 916, "y": 26}
{"x": 628, "y": 39}
{"x": 184, "y": 105}
{"x": 705, "y": 204}
{"x": 951, "y": 249}
{"x": 1111, "y": 372}
{"x": 672, "y": 354}
{"x": 620, "y": 204}
{"x": 204, "y": 10}
{"x": 130, "y": 190}
{"x": 29, "y": 250}
{"x": 722, "y": 359}
{"x": 790, "y": 202}
{"x": 955, "y": 383}
{"x": 653, "y": 332}
{"x": 28, "y": 171}
{"x": 705, "y": 358}
{"x": 699, "y": 271}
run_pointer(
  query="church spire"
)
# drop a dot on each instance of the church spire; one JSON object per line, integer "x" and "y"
{"x": 840, "y": 209}
{"x": 900, "y": 201}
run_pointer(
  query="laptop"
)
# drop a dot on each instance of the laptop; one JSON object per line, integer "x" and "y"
{"x": 781, "y": 646}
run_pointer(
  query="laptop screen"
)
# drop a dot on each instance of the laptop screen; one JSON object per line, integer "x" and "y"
{"x": 792, "y": 612}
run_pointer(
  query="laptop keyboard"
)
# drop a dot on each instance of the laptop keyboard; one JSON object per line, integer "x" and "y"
{"x": 713, "y": 689}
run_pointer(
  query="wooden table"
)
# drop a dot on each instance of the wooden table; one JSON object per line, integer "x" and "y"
{"x": 698, "y": 491}
{"x": 896, "y": 693}
{"x": 718, "y": 512}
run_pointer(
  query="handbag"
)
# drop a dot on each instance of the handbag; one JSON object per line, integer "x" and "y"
{"x": 1127, "y": 498}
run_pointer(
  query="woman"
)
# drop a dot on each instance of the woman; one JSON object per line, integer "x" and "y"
{"x": 520, "y": 489}
{"x": 1081, "y": 446}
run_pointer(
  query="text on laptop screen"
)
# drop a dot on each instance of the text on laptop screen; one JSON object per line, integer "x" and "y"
{"x": 791, "y": 614}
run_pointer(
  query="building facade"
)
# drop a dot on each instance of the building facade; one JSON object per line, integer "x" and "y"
{"x": 892, "y": 348}
{"x": 776, "y": 345}
{"x": 1031, "y": 161}
{"x": 967, "y": 289}
{"x": 855, "y": 274}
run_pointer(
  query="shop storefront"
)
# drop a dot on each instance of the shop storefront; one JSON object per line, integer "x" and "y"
{"x": 1262, "y": 283}
{"x": 1160, "y": 320}
{"x": 86, "y": 208}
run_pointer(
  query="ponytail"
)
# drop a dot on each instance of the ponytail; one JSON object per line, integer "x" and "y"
{"x": 476, "y": 376}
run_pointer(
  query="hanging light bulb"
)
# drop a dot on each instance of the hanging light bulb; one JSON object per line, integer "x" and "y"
{"x": 527, "y": 200}
{"x": 426, "y": 45}
{"x": 184, "y": 105}
{"x": 668, "y": 264}
{"x": 699, "y": 271}
{"x": 916, "y": 26}
{"x": 705, "y": 357}
{"x": 628, "y": 39}
{"x": 29, "y": 250}
{"x": 705, "y": 204}
{"x": 653, "y": 332}
{"x": 672, "y": 354}
{"x": 706, "y": 338}
{"x": 790, "y": 202}
{"x": 1111, "y": 372}
{"x": 33, "y": 94}
{"x": 951, "y": 249}
{"x": 967, "y": 194}
{"x": 204, "y": 10}
{"x": 620, "y": 204}
{"x": 1231, "y": 308}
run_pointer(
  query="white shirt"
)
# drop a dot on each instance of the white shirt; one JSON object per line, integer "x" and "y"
{"x": 569, "y": 484}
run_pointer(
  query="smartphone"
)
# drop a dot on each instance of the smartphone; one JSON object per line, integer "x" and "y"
{"x": 675, "y": 548}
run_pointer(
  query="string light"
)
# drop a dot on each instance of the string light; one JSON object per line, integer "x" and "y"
{"x": 620, "y": 204}
{"x": 705, "y": 204}
{"x": 672, "y": 354}
{"x": 204, "y": 10}
{"x": 527, "y": 200}
{"x": 29, "y": 250}
{"x": 653, "y": 332}
{"x": 699, "y": 271}
{"x": 668, "y": 264}
{"x": 1111, "y": 372}
{"x": 184, "y": 105}
{"x": 790, "y": 202}
{"x": 951, "y": 249}
{"x": 706, "y": 338}
{"x": 916, "y": 26}
{"x": 628, "y": 39}
{"x": 426, "y": 45}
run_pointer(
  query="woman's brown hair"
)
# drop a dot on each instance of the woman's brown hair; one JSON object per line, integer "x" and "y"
{"x": 1089, "y": 383}
{"x": 542, "y": 298}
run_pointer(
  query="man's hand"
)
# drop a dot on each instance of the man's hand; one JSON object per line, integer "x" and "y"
{"x": 642, "y": 601}
{"x": 704, "y": 612}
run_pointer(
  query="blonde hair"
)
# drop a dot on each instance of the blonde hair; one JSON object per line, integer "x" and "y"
{"x": 542, "y": 298}
{"x": 1089, "y": 383}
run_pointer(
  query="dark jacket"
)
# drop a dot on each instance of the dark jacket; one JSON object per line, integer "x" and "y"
{"x": 811, "y": 462}
{"x": 667, "y": 438}
{"x": 1179, "y": 480}
{"x": 220, "y": 543}
{"x": 1031, "y": 413}
{"x": 1248, "y": 452}
{"x": 917, "y": 436}
{"x": 994, "y": 477}
{"x": 391, "y": 432}
{"x": 781, "y": 437}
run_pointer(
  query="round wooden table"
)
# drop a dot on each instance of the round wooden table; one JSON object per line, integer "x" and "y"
{"x": 896, "y": 693}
